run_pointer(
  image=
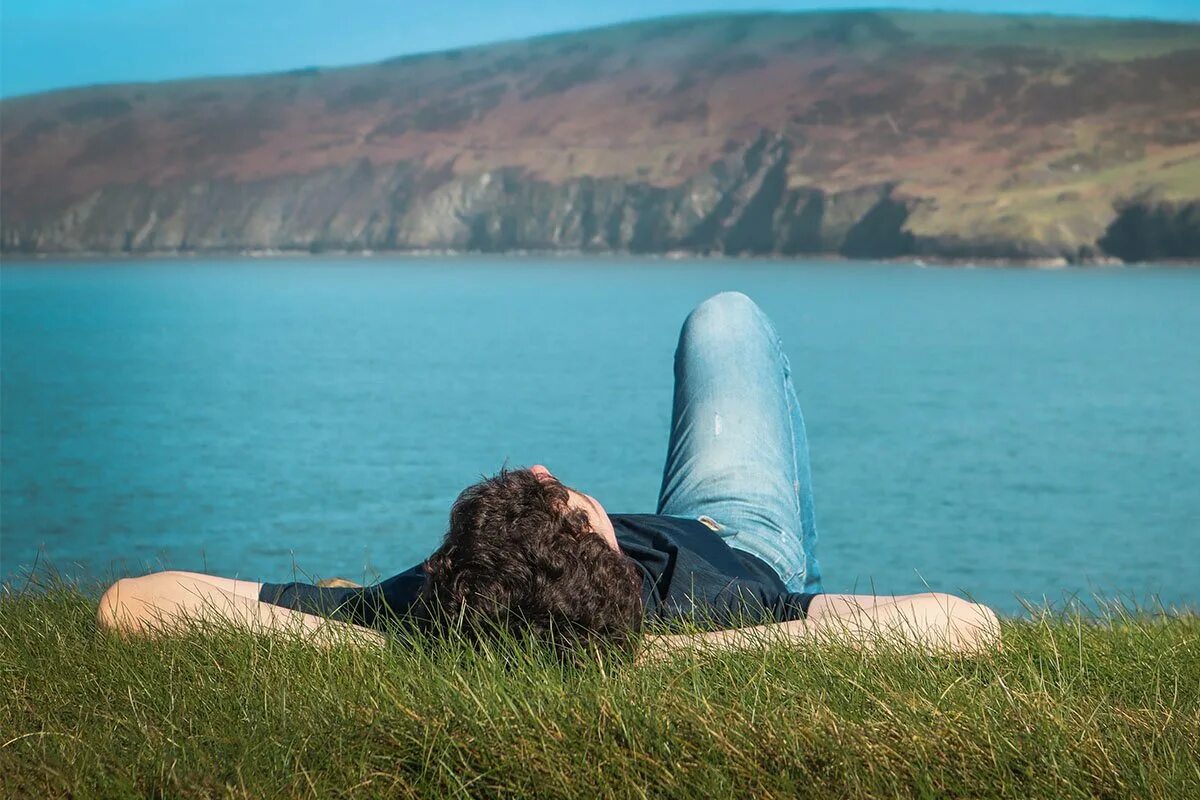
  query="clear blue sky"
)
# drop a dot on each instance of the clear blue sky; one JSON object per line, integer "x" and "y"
{"x": 48, "y": 44}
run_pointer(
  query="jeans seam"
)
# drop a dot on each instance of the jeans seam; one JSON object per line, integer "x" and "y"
{"x": 799, "y": 511}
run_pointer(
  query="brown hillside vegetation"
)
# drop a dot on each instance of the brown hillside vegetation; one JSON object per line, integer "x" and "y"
{"x": 865, "y": 133}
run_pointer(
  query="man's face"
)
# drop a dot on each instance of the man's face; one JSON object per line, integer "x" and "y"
{"x": 597, "y": 517}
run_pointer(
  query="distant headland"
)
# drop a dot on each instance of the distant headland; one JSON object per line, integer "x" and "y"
{"x": 863, "y": 134}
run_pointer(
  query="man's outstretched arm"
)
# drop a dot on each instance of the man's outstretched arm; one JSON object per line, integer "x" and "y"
{"x": 160, "y": 603}
{"x": 932, "y": 622}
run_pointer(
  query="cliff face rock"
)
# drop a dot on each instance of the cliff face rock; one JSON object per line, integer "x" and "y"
{"x": 865, "y": 134}
{"x": 740, "y": 206}
{"x": 731, "y": 208}
{"x": 1146, "y": 231}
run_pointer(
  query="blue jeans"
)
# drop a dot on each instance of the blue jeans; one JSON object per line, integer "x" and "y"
{"x": 738, "y": 452}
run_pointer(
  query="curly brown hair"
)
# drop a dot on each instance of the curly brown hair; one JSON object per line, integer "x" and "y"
{"x": 518, "y": 559}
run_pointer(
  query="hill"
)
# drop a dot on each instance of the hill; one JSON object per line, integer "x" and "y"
{"x": 869, "y": 134}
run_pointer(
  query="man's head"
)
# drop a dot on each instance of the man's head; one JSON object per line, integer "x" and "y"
{"x": 526, "y": 554}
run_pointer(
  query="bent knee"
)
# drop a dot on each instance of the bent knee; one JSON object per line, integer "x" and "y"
{"x": 724, "y": 315}
{"x": 726, "y": 305}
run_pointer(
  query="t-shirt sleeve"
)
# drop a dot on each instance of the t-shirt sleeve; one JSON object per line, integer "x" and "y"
{"x": 397, "y": 599}
{"x": 719, "y": 602}
{"x": 374, "y": 606}
{"x": 793, "y": 605}
{"x": 344, "y": 604}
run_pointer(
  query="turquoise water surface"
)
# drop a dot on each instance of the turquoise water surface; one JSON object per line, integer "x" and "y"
{"x": 1000, "y": 432}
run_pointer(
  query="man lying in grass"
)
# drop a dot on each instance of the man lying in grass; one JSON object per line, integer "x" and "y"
{"x": 733, "y": 542}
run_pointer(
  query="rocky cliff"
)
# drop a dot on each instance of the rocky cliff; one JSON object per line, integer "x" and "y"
{"x": 865, "y": 134}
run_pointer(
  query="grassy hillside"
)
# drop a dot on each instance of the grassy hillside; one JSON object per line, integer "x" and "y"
{"x": 1073, "y": 707}
{"x": 993, "y": 134}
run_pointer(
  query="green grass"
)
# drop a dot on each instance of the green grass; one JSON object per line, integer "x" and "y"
{"x": 1073, "y": 706}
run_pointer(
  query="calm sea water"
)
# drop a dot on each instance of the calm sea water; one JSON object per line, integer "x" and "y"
{"x": 1000, "y": 432}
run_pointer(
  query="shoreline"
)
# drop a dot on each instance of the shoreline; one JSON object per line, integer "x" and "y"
{"x": 278, "y": 254}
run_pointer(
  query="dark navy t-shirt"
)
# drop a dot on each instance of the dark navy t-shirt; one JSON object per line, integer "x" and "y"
{"x": 688, "y": 573}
